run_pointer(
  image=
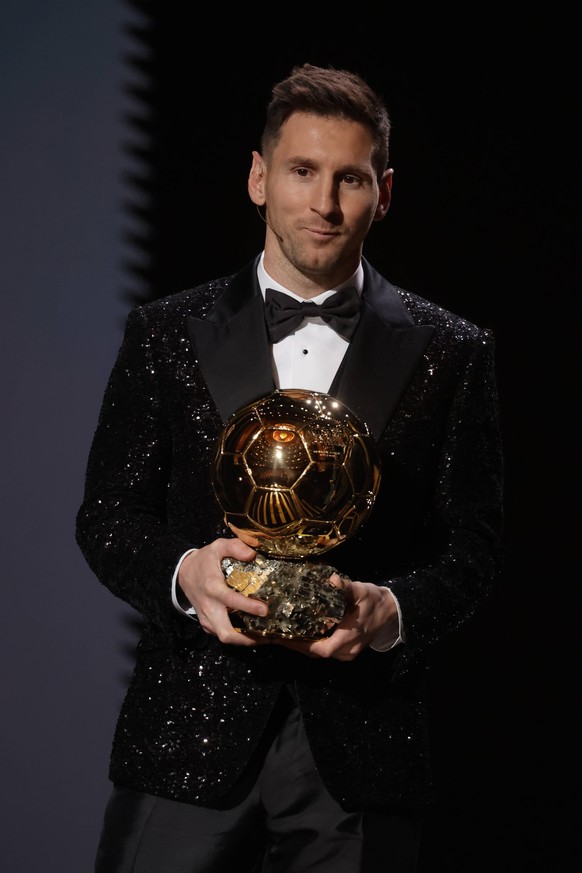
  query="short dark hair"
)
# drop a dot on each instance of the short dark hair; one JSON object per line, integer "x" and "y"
{"x": 330, "y": 93}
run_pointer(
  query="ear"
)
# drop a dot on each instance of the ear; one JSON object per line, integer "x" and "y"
{"x": 256, "y": 183}
{"x": 385, "y": 195}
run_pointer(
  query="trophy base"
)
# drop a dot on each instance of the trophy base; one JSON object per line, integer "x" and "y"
{"x": 302, "y": 602}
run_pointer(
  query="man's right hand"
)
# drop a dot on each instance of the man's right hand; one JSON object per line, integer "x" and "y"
{"x": 202, "y": 581}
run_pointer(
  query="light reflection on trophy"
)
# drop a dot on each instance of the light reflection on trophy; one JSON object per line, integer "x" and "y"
{"x": 295, "y": 473}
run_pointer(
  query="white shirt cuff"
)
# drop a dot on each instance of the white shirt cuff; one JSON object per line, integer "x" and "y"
{"x": 385, "y": 641}
{"x": 191, "y": 612}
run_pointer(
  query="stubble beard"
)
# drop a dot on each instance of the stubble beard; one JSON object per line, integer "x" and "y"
{"x": 312, "y": 264}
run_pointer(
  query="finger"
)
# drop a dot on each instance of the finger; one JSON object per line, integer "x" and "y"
{"x": 235, "y": 548}
{"x": 216, "y": 621}
{"x": 234, "y": 601}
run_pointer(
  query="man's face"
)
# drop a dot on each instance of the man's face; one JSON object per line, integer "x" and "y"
{"x": 321, "y": 196}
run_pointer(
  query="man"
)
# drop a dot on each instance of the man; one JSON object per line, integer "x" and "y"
{"x": 256, "y": 753}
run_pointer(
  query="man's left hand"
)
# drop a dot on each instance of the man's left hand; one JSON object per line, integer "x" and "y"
{"x": 371, "y": 612}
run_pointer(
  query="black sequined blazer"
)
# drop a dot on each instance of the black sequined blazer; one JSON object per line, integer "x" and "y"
{"x": 424, "y": 381}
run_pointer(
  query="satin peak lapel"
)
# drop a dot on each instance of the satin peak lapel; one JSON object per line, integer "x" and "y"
{"x": 232, "y": 347}
{"x": 383, "y": 355}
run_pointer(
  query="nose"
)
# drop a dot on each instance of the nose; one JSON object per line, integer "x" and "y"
{"x": 325, "y": 199}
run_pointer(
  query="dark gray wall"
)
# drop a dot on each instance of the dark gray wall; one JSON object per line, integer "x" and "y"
{"x": 60, "y": 323}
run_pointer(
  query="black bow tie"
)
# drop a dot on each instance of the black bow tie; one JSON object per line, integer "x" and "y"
{"x": 284, "y": 314}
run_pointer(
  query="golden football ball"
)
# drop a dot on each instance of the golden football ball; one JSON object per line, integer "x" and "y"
{"x": 295, "y": 473}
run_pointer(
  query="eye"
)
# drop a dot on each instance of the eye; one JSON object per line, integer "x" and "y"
{"x": 348, "y": 179}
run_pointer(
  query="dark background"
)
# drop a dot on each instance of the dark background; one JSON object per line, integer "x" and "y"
{"x": 127, "y": 138}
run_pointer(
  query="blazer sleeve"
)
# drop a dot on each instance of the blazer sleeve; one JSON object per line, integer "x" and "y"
{"x": 121, "y": 526}
{"x": 464, "y": 525}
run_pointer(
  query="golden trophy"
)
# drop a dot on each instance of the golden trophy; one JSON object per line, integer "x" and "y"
{"x": 295, "y": 473}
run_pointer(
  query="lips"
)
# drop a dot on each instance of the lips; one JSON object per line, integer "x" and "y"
{"x": 321, "y": 231}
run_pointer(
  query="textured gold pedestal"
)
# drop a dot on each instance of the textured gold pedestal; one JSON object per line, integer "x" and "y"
{"x": 302, "y": 602}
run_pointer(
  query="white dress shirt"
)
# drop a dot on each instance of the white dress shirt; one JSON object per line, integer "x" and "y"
{"x": 308, "y": 358}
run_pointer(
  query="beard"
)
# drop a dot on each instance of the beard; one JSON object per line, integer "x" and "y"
{"x": 327, "y": 259}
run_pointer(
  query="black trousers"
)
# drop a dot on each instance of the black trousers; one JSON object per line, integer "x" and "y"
{"x": 279, "y": 819}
